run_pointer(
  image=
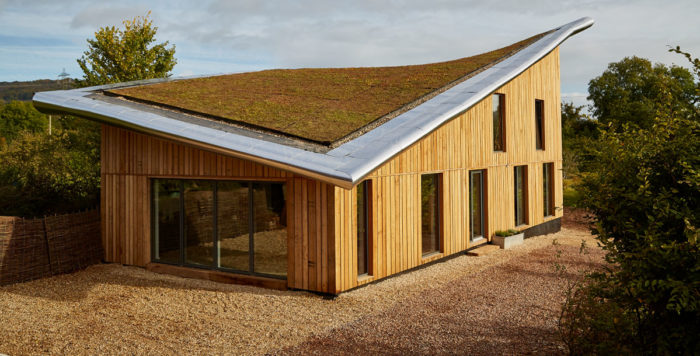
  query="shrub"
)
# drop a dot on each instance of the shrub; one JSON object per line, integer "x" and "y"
{"x": 644, "y": 193}
{"x": 506, "y": 233}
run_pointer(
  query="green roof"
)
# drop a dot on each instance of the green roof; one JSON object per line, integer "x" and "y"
{"x": 321, "y": 105}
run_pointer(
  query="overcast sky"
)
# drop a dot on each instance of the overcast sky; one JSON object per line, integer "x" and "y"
{"x": 38, "y": 38}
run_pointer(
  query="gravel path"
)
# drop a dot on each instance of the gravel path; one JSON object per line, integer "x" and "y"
{"x": 505, "y": 302}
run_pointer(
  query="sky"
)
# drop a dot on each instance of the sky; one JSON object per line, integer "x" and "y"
{"x": 38, "y": 38}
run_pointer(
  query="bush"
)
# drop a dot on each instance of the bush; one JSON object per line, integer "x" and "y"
{"x": 644, "y": 193}
{"x": 45, "y": 174}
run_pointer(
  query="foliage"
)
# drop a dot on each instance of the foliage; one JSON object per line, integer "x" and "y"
{"x": 117, "y": 55}
{"x": 634, "y": 91}
{"x": 506, "y": 233}
{"x": 44, "y": 174}
{"x": 644, "y": 191}
{"x": 578, "y": 132}
{"x": 18, "y": 116}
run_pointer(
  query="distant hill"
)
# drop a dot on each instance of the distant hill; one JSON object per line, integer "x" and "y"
{"x": 24, "y": 91}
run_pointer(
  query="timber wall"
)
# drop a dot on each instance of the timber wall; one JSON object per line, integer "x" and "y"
{"x": 461, "y": 145}
{"x": 131, "y": 159}
{"x": 322, "y": 252}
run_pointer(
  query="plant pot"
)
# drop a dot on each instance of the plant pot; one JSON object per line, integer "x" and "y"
{"x": 508, "y": 241}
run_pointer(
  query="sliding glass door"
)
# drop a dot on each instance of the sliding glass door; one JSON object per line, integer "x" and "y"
{"x": 225, "y": 225}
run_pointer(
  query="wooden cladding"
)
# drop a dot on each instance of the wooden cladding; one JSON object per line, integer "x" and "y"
{"x": 461, "y": 145}
{"x": 322, "y": 219}
{"x": 130, "y": 160}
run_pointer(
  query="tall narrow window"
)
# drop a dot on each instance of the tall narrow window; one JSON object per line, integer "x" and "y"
{"x": 476, "y": 204}
{"x": 548, "y": 188}
{"x": 363, "y": 231}
{"x": 499, "y": 122}
{"x": 430, "y": 213}
{"x": 520, "y": 179}
{"x": 539, "y": 124}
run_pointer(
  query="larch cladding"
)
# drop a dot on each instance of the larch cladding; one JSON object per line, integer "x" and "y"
{"x": 321, "y": 224}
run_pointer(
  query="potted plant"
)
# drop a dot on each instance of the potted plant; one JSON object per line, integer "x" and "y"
{"x": 506, "y": 239}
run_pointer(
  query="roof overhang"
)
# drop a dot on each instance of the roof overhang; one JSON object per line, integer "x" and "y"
{"x": 345, "y": 165}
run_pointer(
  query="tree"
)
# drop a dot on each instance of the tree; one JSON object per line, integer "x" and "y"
{"x": 634, "y": 91}
{"x": 575, "y": 124}
{"x": 18, "y": 116}
{"x": 44, "y": 174}
{"x": 117, "y": 55}
{"x": 643, "y": 190}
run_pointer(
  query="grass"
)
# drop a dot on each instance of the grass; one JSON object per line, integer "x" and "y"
{"x": 318, "y": 104}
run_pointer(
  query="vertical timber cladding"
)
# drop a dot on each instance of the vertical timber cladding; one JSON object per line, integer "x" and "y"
{"x": 131, "y": 159}
{"x": 463, "y": 144}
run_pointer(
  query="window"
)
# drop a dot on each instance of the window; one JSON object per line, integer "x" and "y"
{"x": 499, "y": 124}
{"x": 476, "y": 204}
{"x": 520, "y": 179}
{"x": 539, "y": 124}
{"x": 225, "y": 225}
{"x": 363, "y": 228}
{"x": 430, "y": 213}
{"x": 548, "y": 188}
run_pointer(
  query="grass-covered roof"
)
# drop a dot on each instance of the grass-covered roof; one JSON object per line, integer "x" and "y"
{"x": 318, "y": 104}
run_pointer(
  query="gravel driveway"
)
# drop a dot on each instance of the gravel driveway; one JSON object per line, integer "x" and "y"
{"x": 504, "y": 302}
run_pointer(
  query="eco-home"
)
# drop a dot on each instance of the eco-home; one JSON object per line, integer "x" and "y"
{"x": 327, "y": 179}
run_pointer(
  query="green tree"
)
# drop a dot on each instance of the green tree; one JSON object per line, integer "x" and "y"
{"x": 18, "y": 116}
{"x": 634, "y": 91}
{"x": 643, "y": 189}
{"x": 575, "y": 124}
{"x": 117, "y": 55}
{"x": 44, "y": 174}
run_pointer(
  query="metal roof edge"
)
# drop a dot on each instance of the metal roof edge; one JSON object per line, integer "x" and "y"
{"x": 343, "y": 166}
{"x": 401, "y": 132}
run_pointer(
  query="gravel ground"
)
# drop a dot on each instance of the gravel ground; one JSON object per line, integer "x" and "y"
{"x": 505, "y": 302}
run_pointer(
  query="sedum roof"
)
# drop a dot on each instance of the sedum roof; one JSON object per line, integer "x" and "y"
{"x": 346, "y": 162}
{"x": 321, "y": 105}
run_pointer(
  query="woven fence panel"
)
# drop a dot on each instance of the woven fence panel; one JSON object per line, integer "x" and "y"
{"x": 36, "y": 248}
{"x": 74, "y": 243}
{"x": 23, "y": 250}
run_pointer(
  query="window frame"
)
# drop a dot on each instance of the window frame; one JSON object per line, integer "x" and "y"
{"x": 525, "y": 204}
{"x": 438, "y": 205}
{"x": 539, "y": 125}
{"x": 502, "y": 122}
{"x": 215, "y": 235}
{"x": 369, "y": 257}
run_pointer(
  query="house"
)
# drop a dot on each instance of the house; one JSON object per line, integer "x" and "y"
{"x": 328, "y": 179}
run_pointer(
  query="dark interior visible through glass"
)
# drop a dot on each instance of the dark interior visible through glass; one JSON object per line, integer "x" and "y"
{"x": 539, "y": 124}
{"x": 476, "y": 203}
{"x": 548, "y": 188}
{"x": 228, "y": 225}
{"x": 362, "y": 228}
{"x": 430, "y": 213}
{"x": 166, "y": 220}
{"x": 520, "y": 195}
{"x": 498, "y": 122}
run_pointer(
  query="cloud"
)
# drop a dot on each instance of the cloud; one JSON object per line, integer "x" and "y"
{"x": 96, "y": 16}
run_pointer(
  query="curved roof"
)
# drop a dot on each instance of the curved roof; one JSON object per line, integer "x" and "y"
{"x": 351, "y": 159}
